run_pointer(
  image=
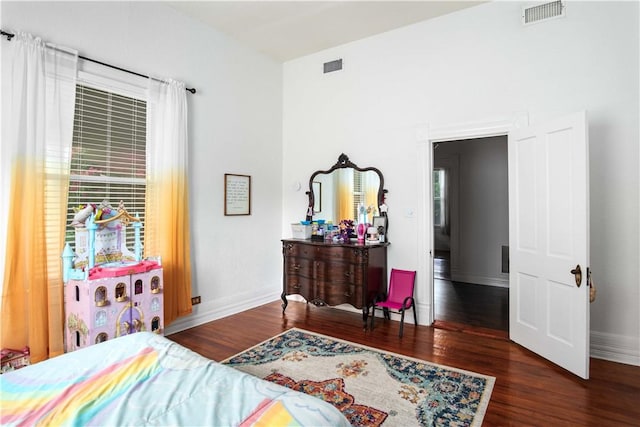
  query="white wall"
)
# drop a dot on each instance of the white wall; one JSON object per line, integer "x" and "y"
{"x": 470, "y": 66}
{"x": 235, "y": 126}
{"x": 480, "y": 223}
{"x": 473, "y": 66}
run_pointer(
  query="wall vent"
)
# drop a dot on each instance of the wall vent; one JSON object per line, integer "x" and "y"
{"x": 543, "y": 12}
{"x": 333, "y": 66}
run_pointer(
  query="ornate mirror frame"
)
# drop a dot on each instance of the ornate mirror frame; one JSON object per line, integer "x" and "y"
{"x": 342, "y": 163}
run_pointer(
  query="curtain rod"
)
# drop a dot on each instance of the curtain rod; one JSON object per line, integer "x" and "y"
{"x": 9, "y": 36}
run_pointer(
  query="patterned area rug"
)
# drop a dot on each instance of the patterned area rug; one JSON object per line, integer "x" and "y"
{"x": 371, "y": 387}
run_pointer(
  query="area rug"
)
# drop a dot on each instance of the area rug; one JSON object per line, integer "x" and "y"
{"x": 370, "y": 387}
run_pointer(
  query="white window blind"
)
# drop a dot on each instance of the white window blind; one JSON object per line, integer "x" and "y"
{"x": 358, "y": 195}
{"x": 108, "y": 160}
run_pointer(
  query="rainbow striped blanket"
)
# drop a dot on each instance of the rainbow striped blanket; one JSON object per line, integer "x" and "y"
{"x": 146, "y": 379}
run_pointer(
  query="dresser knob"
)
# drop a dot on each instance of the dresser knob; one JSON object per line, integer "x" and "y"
{"x": 296, "y": 286}
{"x": 296, "y": 267}
{"x": 347, "y": 294}
{"x": 347, "y": 274}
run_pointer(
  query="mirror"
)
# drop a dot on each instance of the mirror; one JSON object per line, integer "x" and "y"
{"x": 337, "y": 193}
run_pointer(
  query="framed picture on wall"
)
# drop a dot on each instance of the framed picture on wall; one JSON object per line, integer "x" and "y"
{"x": 237, "y": 194}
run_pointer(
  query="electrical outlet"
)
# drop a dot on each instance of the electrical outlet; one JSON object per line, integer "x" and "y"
{"x": 195, "y": 300}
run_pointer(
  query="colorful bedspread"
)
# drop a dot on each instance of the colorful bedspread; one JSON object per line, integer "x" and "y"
{"x": 146, "y": 379}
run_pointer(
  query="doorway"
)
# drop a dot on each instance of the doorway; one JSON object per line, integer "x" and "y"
{"x": 471, "y": 233}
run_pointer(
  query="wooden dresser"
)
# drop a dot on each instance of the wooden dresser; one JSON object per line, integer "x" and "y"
{"x": 334, "y": 274}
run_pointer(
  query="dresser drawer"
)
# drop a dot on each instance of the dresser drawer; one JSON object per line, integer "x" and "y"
{"x": 298, "y": 250}
{"x": 298, "y": 266}
{"x": 336, "y": 272}
{"x": 299, "y": 285}
{"x": 338, "y": 293}
{"x": 322, "y": 252}
{"x": 336, "y": 253}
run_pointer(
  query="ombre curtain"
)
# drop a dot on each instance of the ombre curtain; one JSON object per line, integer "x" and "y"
{"x": 37, "y": 152}
{"x": 167, "y": 232}
{"x": 345, "y": 194}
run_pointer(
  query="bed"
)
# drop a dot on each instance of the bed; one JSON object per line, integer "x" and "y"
{"x": 146, "y": 379}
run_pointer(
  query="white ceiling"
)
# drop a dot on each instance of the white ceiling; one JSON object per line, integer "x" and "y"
{"x": 286, "y": 30}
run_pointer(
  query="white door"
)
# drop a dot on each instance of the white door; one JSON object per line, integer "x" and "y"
{"x": 548, "y": 238}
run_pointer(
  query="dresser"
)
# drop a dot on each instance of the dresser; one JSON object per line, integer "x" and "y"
{"x": 333, "y": 274}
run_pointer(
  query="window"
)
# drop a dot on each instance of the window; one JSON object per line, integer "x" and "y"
{"x": 108, "y": 160}
{"x": 439, "y": 197}
{"x": 102, "y": 337}
{"x": 363, "y": 191}
{"x": 121, "y": 292}
{"x": 155, "y": 324}
{"x": 358, "y": 194}
{"x": 155, "y": 284}
{"x": 100, "y": 296}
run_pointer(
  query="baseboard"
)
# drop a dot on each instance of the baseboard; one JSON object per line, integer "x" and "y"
{"x": 615, "y": 348}
{"x": 207, "y": 312}
{"x": 469, "y": 329}
{"x": 457, "y": 276}
{"x": 201, "y": 316}
{"x": 422, "y": 311}
{"x": 612, "y": 347}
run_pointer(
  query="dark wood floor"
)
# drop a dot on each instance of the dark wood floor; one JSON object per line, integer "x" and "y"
{"x": 529, "y": 391}
{"x": 468, "y": 305}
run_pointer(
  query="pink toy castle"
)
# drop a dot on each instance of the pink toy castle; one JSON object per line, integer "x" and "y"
{"x": 119, "y": 297}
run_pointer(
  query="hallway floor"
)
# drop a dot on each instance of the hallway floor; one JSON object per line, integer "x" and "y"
{"x": 468, "y": 304}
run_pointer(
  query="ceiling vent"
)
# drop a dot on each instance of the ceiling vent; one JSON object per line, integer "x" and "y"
{"x": 542, "y": 12}
{"x": 333, "y": 66}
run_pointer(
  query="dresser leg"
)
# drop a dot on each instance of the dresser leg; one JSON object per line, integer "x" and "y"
{"x": 285, "y": 302}
{"x": 365, "y": 316}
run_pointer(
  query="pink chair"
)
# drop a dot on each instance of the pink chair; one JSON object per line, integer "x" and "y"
{"x": 400, "y": 297}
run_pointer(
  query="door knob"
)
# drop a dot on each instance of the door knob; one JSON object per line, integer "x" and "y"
{"x": 577, "y": 272}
